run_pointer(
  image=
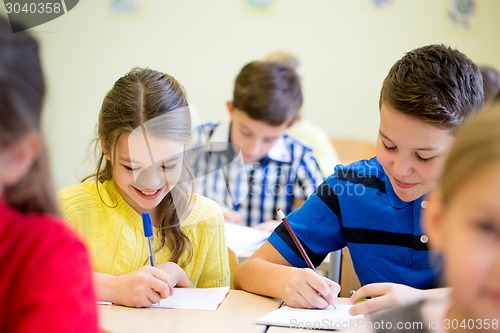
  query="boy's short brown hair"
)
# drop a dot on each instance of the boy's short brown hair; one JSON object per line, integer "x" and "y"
{"x": 434, "y": 83}
{"x": 268, "y": 92}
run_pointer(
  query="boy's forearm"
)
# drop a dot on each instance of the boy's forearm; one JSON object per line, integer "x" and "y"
{"x": 262, "y": 277}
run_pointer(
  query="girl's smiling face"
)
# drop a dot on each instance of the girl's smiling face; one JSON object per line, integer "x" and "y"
{"x": 145, "y": 172}
{"x": 411, "y": 152}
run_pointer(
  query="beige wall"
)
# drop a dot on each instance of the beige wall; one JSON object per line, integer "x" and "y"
{"x": 346, "y": 48}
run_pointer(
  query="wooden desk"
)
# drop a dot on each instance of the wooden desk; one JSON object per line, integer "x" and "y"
{"x": 237, "y": 313}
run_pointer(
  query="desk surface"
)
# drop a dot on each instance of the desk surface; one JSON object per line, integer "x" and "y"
{"x": 237, "y": 313}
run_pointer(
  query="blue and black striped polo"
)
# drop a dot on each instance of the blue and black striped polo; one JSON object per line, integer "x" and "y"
{"x": 357, "y": 207}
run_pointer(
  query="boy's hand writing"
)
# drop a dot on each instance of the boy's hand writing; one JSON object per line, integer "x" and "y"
{"x": 306, "y": 289}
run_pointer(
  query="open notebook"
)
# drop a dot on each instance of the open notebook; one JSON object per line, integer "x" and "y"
{"x": 194, "y": 298}
{"x": 244, "y": 240}
{"x": 327, "y": 319}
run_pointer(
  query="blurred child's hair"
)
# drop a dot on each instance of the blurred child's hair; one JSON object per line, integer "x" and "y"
{"x": 477, "y": 145}
{"x": 491, "y": 78}
{"x": 22, "y": 89}
{"x": 269, "y": 92}
{"x": 140, "y": 96}
{"x": 436, "y": 84}
{"x": 285, "y": 58}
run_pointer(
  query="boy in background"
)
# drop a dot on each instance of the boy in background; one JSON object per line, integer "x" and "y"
{"x": 279, "y": 171}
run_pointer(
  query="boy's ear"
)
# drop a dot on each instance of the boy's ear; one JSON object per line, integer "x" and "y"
{"x": 432, "y": 220}
{"x": 17, "y": 159}
{"x": 229, "y": 106}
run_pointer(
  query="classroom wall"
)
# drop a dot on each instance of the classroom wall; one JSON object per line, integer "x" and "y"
{"x": 346, "y": 48}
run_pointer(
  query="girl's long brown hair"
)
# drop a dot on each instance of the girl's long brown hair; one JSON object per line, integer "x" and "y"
{"x": 140, "y": 96}
{"x": 22, "y": 89}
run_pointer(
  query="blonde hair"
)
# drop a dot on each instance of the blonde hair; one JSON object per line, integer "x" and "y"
{"x": 477, "y": 145}
{"x": 285, "y": 58}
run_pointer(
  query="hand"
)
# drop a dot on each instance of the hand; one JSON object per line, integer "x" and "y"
{"x": 268, "y": 225}
{"x": 142, "y": 288}
{"x": 383, "y": 295}
{"x": 178, "y": 276}
{"x": 307, "y": 289}
{"x": 232, "y": 216}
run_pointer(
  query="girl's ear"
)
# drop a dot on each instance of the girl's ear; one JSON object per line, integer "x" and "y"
{"x": 17, "y": 159}
{"x": 104, "y": 151}
{"x": 432, "y": 220}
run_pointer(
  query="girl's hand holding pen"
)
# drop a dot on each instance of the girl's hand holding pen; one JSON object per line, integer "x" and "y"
{"x": 306, "y": 289}
{"x": 143, "y": 287}
{"x": 148, "y": 285}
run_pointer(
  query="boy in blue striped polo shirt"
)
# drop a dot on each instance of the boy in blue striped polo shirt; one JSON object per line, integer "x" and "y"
{"x": 278, "y": 170}
{"x": 373, "y": 206}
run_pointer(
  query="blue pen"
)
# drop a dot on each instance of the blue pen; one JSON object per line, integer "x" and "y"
{"x": 148, "y": 232}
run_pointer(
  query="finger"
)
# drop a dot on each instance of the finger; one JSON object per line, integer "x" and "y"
{"x": 160, "y": 273}
{"x": 334, "y": 286}
{"x": 160, "y": 283}
{"x": 370, "y": 305}
{"x": 302, "y": 300}
{"x": 370, "y": 290}
{"x": 153, "y": 297}
{"x": 322, "y": 287}
{"x": 315, "y": 299}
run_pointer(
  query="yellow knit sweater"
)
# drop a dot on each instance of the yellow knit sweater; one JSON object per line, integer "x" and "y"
{"x": 115, "y": 237}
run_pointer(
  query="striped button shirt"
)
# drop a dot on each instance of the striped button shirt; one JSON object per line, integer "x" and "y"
{"x": 255, "y": 190}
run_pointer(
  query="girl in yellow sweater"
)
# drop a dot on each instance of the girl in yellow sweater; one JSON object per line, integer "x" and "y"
{"x": 144, "y": 128}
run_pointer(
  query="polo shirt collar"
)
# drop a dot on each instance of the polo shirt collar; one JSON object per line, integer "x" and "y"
{"x": 279, "y": 152}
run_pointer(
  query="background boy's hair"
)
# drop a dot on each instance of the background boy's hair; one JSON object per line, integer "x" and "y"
{"x": 22, "y": 89}
{"x": 268, "y": 92}
{"x": 491, "y": 78}
{"x": 436, "y": 84}
{"x": 477, "y": 145}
